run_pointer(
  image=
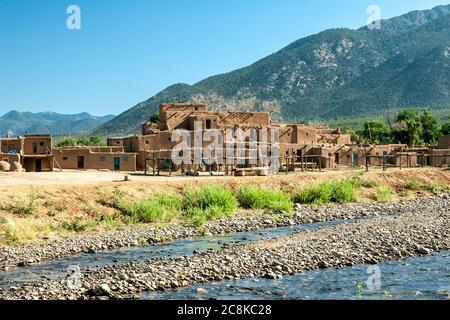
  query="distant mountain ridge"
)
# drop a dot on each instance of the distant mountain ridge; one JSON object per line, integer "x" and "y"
{"x": 20, "y": 123}
{"x": 333, "y": 74}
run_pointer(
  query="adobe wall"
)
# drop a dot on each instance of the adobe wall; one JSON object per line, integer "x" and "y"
{"x": 42, "y": 143}
{"x": 10, "y": 145}
{"x": 444, "y": 142}
{"x": 67, "y": 158}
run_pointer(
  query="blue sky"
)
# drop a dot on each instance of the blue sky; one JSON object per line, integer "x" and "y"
{"x": 126, "y": 51}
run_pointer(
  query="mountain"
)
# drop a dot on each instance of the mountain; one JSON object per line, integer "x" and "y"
{"x": 337, "y": 73}
{"x": 20, "y": 123}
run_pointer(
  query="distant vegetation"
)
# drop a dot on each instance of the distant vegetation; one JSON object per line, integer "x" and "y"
{"x": 409, "y": 127}
{"x": 93, "y": 141}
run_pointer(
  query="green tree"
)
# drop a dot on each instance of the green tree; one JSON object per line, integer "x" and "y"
{"x": 67, "y": 142}
{"x": 445, "y": 130}
{"x": 154, "y": 118}
{"x": 430, "y": 128}
{"x": 408, "y": 128}
{"x": 376, "y": 131}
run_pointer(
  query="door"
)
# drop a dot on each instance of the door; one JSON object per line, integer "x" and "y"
{"x": 116, "y": 164}
{"x": 355, "y": 159}
{"x": 80, "y": 162}
{"x": 34, "y": 147}
{"x": 38, "y": 164}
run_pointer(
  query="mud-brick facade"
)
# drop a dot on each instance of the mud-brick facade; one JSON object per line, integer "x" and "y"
{"x": 295, "y": 140}
{"x": 95, "y": 158}
{"x": 33, "y": 152}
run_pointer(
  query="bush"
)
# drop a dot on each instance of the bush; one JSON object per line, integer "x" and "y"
{"x": 384, "y": 194}
{"x": 326, "y": 192}
{"x": 258, "y": 198}
{"x": 436, "y": 188}
{"x": 208, "y": 203}
{"x": 412, "y": 184}
{"x": 162, "y": 208}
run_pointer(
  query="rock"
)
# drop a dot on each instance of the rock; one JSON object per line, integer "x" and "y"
{"x": 201, "y": 291}
{"x": 101, "y": 291}
{"x": 422, "y": 250}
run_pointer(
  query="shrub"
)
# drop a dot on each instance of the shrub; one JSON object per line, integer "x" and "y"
{"x": 412, "y": 184}
{"x": 436, "y": 188}
{"x": 162, "y": 208}
{"x": 326, "y": 192}
{"x": 384, "y": 194}
{"x": 208, "y": 203}
{"x": 258, "y": 198}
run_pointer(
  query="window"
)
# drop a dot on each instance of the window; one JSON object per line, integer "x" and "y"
{"x": 208, "y": 124}
{"x": 102, "y": 158}
{"x": 117, "y": 142}
{"x": 6, "y": 160}
{"x": 64, "y": 158}
{"x": 41, "y": 143}
{"x": 125, "y": 158}
{"x": 147, "y": 142}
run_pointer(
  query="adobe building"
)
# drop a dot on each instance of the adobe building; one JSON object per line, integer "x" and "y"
{"x": 294, "y": 140}
{"x": 95, "y": 158}
{"x": 33, "y": 152}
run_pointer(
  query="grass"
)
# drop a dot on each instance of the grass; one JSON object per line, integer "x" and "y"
{"x": 328, "y": 192}
{"x": 77, "y": 225}
{"x": 162, "y": 208}
{"x": 208, "y": 203}
{"x": 16, "y": 231}
{"x": 436, "y": 188}
{"x": 24, "y": 208}
{"x": 258, "y": 198}
{"x": 412, "y": 184}
{"x": 384, "y": 194}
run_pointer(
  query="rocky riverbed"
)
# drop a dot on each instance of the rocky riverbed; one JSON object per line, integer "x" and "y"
{"x": 423, "y": 230}
{"x": 245, "y": 221}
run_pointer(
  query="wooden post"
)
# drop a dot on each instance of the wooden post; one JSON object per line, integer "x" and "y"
{"x": 320, "y": 163}
{"x": 367, "y": 162}
{"x": 400, "y": 163}
{"x": 384, "y": 162}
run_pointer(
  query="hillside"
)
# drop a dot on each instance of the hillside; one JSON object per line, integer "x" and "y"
{"x": 19, "y": 123}
{"x": 335, "y": 74}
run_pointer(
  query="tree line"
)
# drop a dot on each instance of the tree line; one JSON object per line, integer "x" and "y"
{"x": 410, "y": 126}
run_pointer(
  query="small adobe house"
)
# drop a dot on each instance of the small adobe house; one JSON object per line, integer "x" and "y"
{"x": 95, "y": 158}
{"x": 32, "y": 152}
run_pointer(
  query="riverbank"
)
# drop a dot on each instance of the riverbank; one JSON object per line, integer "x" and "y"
{"x": 425, "y": 228}
{"x": 244, "y": 221}
{"x": 33, "y": 213}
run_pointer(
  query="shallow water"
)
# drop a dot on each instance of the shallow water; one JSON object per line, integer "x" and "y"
{"x": 414, "y": 278}
{"x": 59, "y": 267}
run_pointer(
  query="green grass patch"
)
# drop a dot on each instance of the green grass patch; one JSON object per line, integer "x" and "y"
{"x": 384, "y": 194}
{"x": 412, "y": 184}
{"x": 208, "y": 203}
{"x": 326, "y": 192}
{"x": 436, "y": 188}
{"x": 259, "y": 198}
{"x": 162, "y": 208}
